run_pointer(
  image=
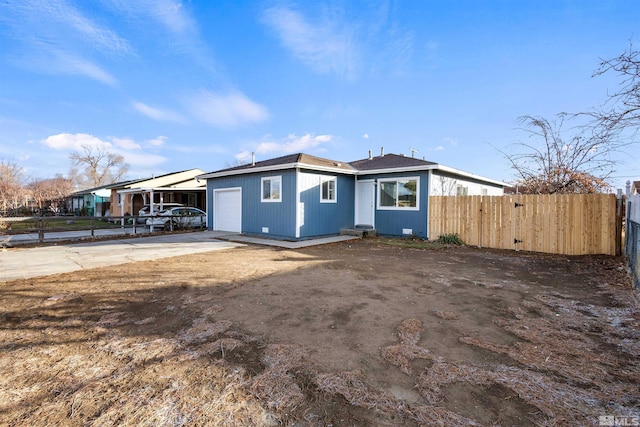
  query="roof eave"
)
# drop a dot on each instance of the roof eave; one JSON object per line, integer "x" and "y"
{"x": 471, "y": 175}
{"x": 296, "y": 165}
{"x": 398, "y": 169}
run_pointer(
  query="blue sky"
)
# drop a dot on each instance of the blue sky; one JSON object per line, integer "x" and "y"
{"x": 174, "y": 85}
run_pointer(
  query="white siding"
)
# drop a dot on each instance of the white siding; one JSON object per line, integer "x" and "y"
{"x": 633, "y": 205}
{"x": 445, "y": 185}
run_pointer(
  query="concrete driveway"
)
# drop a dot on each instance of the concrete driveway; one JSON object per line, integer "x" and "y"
{"x": 23, "y": 263}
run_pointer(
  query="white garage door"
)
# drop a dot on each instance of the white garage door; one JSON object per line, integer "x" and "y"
{"x": 227, "y": 210}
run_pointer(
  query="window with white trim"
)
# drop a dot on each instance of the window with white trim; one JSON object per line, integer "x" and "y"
{"x": 328, "y": 189}
{"x": 271, "y": 189}
{"x": 461, "y": 190}
{"x": 399, "y": 193}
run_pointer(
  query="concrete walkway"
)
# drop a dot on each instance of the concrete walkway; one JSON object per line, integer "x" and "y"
{"x": 288, "y": 245}
{"x": 10, "y": 240}
{"x": 24, "y": 263}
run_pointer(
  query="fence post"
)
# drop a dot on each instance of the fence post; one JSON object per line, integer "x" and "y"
{"x": 40, "y": 230}
{"x": 620, "y": 205}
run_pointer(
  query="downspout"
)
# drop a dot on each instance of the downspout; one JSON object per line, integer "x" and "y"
{"x": 429, "y": 177}
{"x": 298, "y": 226}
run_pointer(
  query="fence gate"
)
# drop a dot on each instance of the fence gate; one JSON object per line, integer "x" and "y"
{"x": 574, "y": 224}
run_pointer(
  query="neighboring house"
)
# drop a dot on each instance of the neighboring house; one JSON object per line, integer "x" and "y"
{"x": 127, "y": 198}
{"x": 90, "y": 202}
{"x": 301, "y": 196}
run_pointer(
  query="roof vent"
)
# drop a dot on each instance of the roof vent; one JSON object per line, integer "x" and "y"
{"x": 338, "y": 164}
{"x": 382, "y": 151}
{"x": 253, "y": 158}
{"x": 370, "y": 155}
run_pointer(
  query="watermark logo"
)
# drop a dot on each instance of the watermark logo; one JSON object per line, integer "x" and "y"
{"x": 613, "y": 420}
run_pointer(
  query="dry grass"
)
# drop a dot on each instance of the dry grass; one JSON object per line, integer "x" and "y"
{"x": 447, "y": 315}
{"x": 171, "y": 357}
{"x": 401, "y": 355}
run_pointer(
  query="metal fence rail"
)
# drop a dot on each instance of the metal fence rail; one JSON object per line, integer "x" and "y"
{"x": 632, "y": 238}
{"x": 632, "y": 247}
{"x": 29, "y": 230}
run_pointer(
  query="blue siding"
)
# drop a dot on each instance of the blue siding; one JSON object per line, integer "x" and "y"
{"x": 392, "y": 222}
{"x": 279, "y": 217}
{"x": 318, "y": 219}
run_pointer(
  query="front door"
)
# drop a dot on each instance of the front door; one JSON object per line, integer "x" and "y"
{"x": 365, "y": 200}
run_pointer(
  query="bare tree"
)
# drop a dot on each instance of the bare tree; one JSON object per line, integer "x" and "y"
{"x": 621, "y": 111}
{"x": 556, "y": 161}
{"x": 50, "y": 193}
{"x": 444, "y": 186}
{"x": 12, "y": 195}
{"x": 97, "y": 167}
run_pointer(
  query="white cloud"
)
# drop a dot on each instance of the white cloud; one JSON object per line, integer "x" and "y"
{"x": 68, "y": 141}
{"x": 290, "y": 144}
{"x": 325, "y": 46}
{"x": 76, "y": 65}
{"x": 61, "y": 62}
{"x": 225, "y": 111}
{"x": 450, "y": 141}
{"x": 126, "y": 144}
{"x": 90, "y": 31}
{"x": 158, "y": 141}
{"x": 158, "y": 114}
{"x": 56, "y": 37}
{"x": 172, "y": 24}
{"x": 439, "y": 148}
{"x": 143, "y": 159}
{"x": 62, "y": 25}
{"x": 171, "y": 14}
{"x": 365, "y": 136}
{"x": 128, "y": 148}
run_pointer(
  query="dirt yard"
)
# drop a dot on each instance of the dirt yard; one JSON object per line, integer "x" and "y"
{"x": 352, "y": 334}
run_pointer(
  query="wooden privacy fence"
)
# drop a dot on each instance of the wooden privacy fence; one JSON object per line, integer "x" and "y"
{"x": 572, "y": 224}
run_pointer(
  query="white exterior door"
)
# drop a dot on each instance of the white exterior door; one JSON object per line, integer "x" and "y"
{"x": 227, "y": 210}
{"x": 365, "y": 203}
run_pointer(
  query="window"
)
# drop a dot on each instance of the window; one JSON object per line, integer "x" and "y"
{"x": 401, "y": 193}
{"x": 271, "y": 189}
{"x": 461, "y": 190}
{"x": 119, "y": 199}
{"x": 328, "y": 190}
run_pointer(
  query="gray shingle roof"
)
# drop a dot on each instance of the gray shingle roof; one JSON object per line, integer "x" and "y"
{"x": 389, "y": 161}
{"x": 290, "y": 159}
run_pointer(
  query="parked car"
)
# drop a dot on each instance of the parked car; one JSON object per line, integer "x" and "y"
{"x": 145, "y": 211}
{"x": 178, "y": 217}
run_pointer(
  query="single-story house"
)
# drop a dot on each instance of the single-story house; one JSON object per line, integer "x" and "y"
{"x": 90, "y": 202}
{"x": 127, "y": 198}
{"x": 300, "y": 196}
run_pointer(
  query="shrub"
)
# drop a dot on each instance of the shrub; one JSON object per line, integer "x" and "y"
{"x": 450, "y": 239}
